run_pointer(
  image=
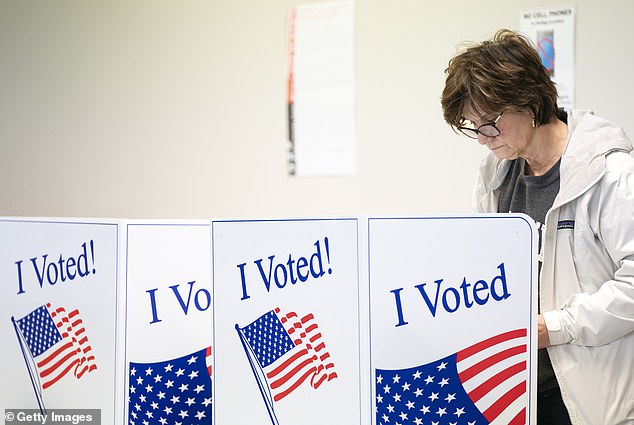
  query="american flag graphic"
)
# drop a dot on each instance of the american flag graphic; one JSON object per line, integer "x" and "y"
{"x": 57, "y": 342}
{"x": 482, "y": 384}
{"x": 289, "y": 350}
{"x": 175, "y": 391}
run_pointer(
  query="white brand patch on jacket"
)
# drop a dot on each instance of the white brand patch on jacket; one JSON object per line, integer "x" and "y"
{"x": 566, "y": 224}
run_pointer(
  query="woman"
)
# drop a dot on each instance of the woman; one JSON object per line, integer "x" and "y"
{"x": 572, "y": 173}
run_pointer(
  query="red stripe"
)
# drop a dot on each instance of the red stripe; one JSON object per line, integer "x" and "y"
{"x": 208, "y": 359}
{"x": 469, "y": 373}
{"x": 80, "y": 372}
{"x": 46, "y": 372}
{"x": 287, "y": 377}
{"x": 283, "y": 394}
{"x": 315, "y": 337}
{"x": 58, "y": 377}
{"x": 287, "y": 362}
{"x": 288, "y": 317}
{"x": 519, "y": 419}
{"x": 54, "y": 355}
{"x": 503, "y": 402}
{"x": 491, "y": 383}
{"x": 321, "y": 379}
{"x": 482, "y": 345}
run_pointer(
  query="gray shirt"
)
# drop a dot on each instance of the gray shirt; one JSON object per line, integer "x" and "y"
{"x": 532, "y": 195}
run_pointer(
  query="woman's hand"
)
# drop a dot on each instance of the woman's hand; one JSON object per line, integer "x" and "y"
{"x": 543, "y": 340}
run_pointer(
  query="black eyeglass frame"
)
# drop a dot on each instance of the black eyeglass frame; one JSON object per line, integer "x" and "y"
{"x": 473, "y": 133}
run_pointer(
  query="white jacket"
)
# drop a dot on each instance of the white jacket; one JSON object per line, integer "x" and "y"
{"x": 587, "y": 276}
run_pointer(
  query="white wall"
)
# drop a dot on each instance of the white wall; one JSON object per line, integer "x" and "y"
{"x": 176, "y": 109}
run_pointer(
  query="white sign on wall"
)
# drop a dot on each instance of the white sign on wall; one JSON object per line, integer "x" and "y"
{"x": 552, "y": 29}
{"x": 286, "y": 321}
{"x": 453, "y": 320}
{"x": 58, "y": 315}
{"x": 321, "y": 89}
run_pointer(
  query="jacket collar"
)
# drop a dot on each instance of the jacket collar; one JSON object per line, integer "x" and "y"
{"x": 590, "y": 140}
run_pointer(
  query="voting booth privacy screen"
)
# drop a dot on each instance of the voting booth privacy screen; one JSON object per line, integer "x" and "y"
{"x": 342, "y": 320}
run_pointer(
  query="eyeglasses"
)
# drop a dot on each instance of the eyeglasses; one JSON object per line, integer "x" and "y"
{"x": 488, "y": 129}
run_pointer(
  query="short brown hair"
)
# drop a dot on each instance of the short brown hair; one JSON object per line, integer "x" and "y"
{"x": 498, "y": 75}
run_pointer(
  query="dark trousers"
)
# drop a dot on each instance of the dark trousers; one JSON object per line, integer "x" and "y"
{"x": 551, "y": 409}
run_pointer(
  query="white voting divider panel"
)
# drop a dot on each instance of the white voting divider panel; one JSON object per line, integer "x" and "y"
{"x": 286, "y": 322}
{"x": 324, "y": 320}
{"x": 58, "y": 315}
{"x": 168, "y": 367}
{"x": 453, "y": 318}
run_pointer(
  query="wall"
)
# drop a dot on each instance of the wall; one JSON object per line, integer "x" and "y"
{"x": 163, "y": 109}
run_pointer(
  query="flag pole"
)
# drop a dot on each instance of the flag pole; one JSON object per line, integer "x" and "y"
{"x": 262, "y": 386}
{"x": 36, "y": 388}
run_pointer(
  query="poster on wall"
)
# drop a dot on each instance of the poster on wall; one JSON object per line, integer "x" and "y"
{"x": 286, "y": 321}
{"x": 321, "y": 89}
{"x": 452, "y": 319}
{"x": 552, "y": 30}
{"x": 168, "y": 351}
{"x": 58, "y": 316}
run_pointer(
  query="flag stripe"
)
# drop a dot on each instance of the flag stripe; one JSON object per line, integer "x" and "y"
{"x": 208, "y": 360}
{"x": 55, "y": 354}
{"x": 287, "y": 363}
{"x": 60, "y": 375}
{"x": 315, "y": 337}
{"x": 496, "y": 380}
{"x": 284, "y": 378}
{"x": 45, "y": 372}
{"x": 85, "y": 369}
{"x": 520, "y": 418}
{"x": 487, "y": 343}
{"x": 296, "y": 384}
{"x": 503, "y": 402}
{"x": 469, "y": 373}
